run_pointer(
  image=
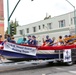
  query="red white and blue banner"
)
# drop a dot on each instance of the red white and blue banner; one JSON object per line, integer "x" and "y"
{"x": 20, "y": 49}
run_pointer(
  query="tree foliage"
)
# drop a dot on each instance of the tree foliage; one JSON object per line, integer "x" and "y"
{"x": 13, "y": 24}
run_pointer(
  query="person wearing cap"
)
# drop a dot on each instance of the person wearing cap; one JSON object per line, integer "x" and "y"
{"x": 29, "y": 41}
{"x": 65, "y": 39}
{"x": 34, "y": 41}
{"x": 68, "y": 39}
{"x": 48, "y": 41}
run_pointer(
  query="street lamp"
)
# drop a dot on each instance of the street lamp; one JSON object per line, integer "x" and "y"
{"x": 74, "y": 14}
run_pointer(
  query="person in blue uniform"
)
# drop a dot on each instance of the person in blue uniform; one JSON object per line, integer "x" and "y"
{"x": 34, "y": 41}
{"x": 49, "y": 42}
{"x": 29, "y": 41}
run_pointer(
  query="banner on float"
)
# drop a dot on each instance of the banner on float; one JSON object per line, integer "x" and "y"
{"x": 20, "y": 49}
{"x": 67, "y": 55}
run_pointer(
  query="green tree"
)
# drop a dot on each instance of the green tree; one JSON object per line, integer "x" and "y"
{"x": 13, "y": 24}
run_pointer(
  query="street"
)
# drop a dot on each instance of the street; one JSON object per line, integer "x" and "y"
{"x": 42, "y": 69}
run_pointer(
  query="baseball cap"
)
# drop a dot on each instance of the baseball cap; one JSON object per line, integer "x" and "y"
{"x": 47, "y": 36}
{"x": 34, "y": 36}
{"x": 66, "y": 35}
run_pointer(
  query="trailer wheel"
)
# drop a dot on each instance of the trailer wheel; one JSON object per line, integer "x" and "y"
{"x": 69, "y": 63}
{"x": 50, "y": 64}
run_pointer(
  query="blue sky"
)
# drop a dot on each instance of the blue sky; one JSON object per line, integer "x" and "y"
{"x": 31, "y": 11}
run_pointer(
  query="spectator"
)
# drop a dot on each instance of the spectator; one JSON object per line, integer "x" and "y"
{"x": 48, "y": 41}
{"x": 65, "y": 39}
{"x": 60, "y": 41}
{"x": 70, "y": 40}
{"x": 24, "y": 41}
{"x": 8, "y": 38}
{"x": 74, "y": 39}
{"x": 29, "y": 41}
{"x": 34, "y": 41}
{"x": 12, "y": 40}
{"x": 54, "y": 41}
{"x": 20, "y": 41}
{"x": 43, "y": 44}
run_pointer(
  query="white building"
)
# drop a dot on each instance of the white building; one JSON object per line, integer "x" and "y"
{"x": 53, "y": 26}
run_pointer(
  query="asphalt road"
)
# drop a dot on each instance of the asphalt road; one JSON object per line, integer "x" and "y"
{"x": 38, "y": 69}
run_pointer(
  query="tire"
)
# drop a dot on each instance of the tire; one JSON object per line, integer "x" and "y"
{"x": 69, "y": 63}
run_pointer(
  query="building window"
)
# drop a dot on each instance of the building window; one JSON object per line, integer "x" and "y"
{"x": 62, "y": 23}
{"x": 21, "y": 31}
{"x": 43, "y": 26}
{"x": 34, "y": 29}
{"x": 49, "y": 25}
{"x": 27, "y": 30}
{"x": 39, "y": 27}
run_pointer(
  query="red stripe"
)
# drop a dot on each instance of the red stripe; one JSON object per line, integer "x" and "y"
{"x": 73, "y": 46}
{"x": 57, "y": 47}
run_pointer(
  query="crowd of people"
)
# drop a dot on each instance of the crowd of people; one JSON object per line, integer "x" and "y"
{"x": 31, "y": 40}
{"x": 66, "y": 40}
{"x": 8, "y": 38}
